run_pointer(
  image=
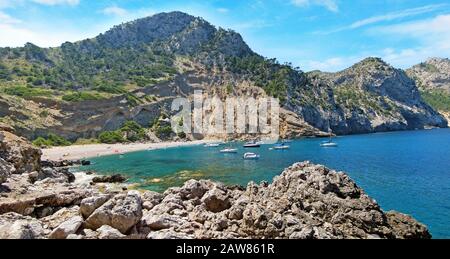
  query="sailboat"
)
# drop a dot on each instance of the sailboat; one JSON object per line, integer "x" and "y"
{"x": 330, "y": 142}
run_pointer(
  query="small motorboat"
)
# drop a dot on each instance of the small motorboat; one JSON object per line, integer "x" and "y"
{"x": 252, "y": 144}
{"x": 212, "y": 145}
{"x": 281, "y": 146}
{"x": 251, "y": 156}
{"x": 229, "y": 151}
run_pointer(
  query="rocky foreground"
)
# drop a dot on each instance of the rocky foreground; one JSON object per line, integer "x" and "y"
{"x": 43, "y": 200}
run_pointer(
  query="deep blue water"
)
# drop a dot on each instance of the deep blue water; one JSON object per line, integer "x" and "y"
{"x": 404, "y": 171}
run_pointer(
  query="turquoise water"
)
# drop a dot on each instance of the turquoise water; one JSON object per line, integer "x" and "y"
{"x": 405, "y": 171}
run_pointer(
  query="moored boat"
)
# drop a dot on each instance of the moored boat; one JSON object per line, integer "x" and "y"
{"x": 251, "y": 156}
{"x": 229, "y": 151}
{"x": 252, "y": 144}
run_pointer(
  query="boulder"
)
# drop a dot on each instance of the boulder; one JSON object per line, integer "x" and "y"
{"x": 60, "y": 216}
{"x": 16, "y": 226}
{"x": 90, "y": 204}
{"x": 216, "y": 200}
{"x": 405, "y": 227}
{"x": 20, "y": 153}
{"x": 122, "y": 212}
{"x": 108, "y": 232}
{"x": 68, "y": 227}
{"x": 151, "y": 199}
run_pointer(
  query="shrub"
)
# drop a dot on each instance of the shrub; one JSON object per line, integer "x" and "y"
{"x": 51, "y": 141}
{"x": 111, "y": 137}
{"x": 41, "y": 142}
{"x": 81, "y": 96}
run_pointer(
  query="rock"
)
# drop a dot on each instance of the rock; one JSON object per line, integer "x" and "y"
{"x": 151, "y": 199}
{"x": 89, "y": 205}
{"x": 85, "y": 162}
{"x": 68, "y": 227}
{"x": 107, "y": 232}
{"x": 5, "y": 170}
{"x": 117, "y": 178}
{"x": 405, "y": 227}
{"x": 216, "y": 200}
{"x": 158, "y": 222}
{"x": 60, "y": 216}
{"x": 16, "y": 226}
{"x": 122, "y": 212}
{"x": 19, "y": 153}
{"x": 194, "y": 189}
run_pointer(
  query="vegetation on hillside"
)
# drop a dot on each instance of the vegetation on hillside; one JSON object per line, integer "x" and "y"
{"x": 52, "y": 140}
{"x": 439, "y": 100}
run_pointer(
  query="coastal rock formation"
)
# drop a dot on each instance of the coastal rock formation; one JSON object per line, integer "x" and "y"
{"x": 19, "y": 153}
{"x": 305, "y": 201}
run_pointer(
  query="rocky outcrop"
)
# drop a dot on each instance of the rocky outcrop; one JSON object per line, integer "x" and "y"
{"x": 19, "y": 153}
{"x": 305, "y": 201}
{"x": 433, "y": 74}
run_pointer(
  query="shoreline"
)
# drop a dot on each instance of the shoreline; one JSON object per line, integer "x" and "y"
{"x": 78, "y": 152}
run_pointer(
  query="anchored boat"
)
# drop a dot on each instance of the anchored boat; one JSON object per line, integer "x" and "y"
{"x": 251, "y": 156}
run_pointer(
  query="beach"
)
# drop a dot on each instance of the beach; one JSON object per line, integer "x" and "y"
{"x": 77, "y": 152}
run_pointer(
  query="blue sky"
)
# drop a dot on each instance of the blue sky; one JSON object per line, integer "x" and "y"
{"x": 313, "y": 34}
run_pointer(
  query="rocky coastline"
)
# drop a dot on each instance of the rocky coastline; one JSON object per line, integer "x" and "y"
{"x": 43, "y": 200}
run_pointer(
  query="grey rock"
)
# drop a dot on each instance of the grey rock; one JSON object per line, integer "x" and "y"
{"x": 108, "y": 232}
{"x": 67, "y": 228}
{"x": 122, "y": 212}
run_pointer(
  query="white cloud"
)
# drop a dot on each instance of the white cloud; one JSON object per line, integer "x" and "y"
{"x": 388, "y": 17}
{"x": 331, "y": 5}
{"x": 332, "y": 64}
{"x": 57, "y": 2}
{"x": 222, "y": 10}
{"x": 432, "y": 35}
{"x": 115, "y": 10}
{"x": 7, "y": 19}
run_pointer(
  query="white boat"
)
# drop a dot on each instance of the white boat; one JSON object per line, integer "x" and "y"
{"x": 328, "y": 144}
{"x": 281, "y": 147}
{"x": 229, "y": 151}
{"x": 252, "y": 144}
{"x": 212, "y": 145}
{"x": 251, "y": 156}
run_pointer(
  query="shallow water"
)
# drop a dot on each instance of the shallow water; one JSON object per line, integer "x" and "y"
{"x": 405, "y": 171}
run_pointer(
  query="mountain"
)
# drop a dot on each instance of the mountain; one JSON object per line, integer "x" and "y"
{"x": 368, "y": 97}
{"x": 433, "y": 79}
{"x": 135, "y": 70}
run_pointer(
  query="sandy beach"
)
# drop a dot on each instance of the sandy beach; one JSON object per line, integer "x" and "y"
{"x": 77, "y": 152}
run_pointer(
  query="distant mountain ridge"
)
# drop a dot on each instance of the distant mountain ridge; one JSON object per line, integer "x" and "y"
{"x": 134, "y": 70}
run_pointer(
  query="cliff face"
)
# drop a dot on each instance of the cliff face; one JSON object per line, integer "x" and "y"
{"x": 368, "y": 97}
{"x": 305, "y": 202}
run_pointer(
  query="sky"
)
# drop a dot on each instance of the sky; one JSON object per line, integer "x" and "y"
{"x": 327, "y": 35}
